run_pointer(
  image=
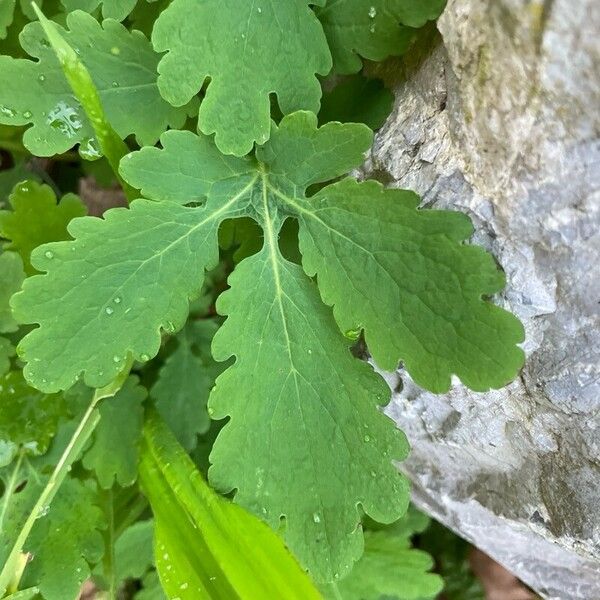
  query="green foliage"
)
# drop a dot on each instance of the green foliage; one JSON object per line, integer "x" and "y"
{"x": 122, "y": 65}
{"x": 113, "y": 454}
{"x": 205, "y": 545}
{"x": 390, "y": 567}
{"x": 249, "y": 50}
{"x": 63, "y": 540}
{"x": 28, "y": 417}
{"x": 184, "y": 383}
{"x": 36, "y": 218}
{"x": 233, "y": 288}
{"x": 374, "y": 30}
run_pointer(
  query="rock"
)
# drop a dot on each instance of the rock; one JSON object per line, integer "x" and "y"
{"x": 501, "y": 120}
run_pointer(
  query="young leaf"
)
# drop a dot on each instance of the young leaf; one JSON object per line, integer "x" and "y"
{"x": 248, "y": 50}
{"x": 28, "y": 418}
{"x": 374, "y": 30}
{"x": 123, "y": 67}
{"x": 36, "y": 218}
{"x": 64, "y": 541}
{"x": 111, "y": 9}
{"x": 391, "y": 568}
{"x": 113, "y": 454}
{"x": 206, "y": 546}
{"x": 184, "y": 382}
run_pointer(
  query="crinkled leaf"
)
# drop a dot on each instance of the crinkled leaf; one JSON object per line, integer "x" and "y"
{"x": 390, "y": 568}
{"x": 111, "y": 9}
{"x": 184, "y": 382}
{"x": 11, "y": 279}
{"x": 406, "y": 278}
{"x": 123, "y": 67}
{"x": 316, "y": 445}
{"x": 357, "y": 100}
{"x": 374, "y": 30}
{"x": 36, "y": 218}
{"x": 249, "y": 50}
{"x": 113, "y": 454}
{"x": 64, "y": 541}
{"x": 206, "y": 546}
{"x": 28, "y": 417}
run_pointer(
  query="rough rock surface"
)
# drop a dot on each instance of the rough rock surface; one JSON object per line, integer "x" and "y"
{"x": 501, "y": 120}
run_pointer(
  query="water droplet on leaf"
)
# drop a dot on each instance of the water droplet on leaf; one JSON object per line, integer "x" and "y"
{"x": 108, "y": 310}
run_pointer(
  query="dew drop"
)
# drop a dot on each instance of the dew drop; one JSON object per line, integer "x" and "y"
{"x": 115, "y": 84}
{"x": 6, "y": 111}
{"x": 367, "y": 438}
{"x": 183, "y": 586}
{"x": 115, "y": 51}
{"x": 27, "y": 114}
{"x": 48, "y": 254}
{"x": 372, "y": 12}
{"x": 42, "y": 78}
{"x": 116, "y": 359}
{"x": 108, "y": 310}
{"x": 372, "y": 29}
{"x": 144, "y": 357}
{"x": 117, "y": 300}
{"x": 165, "y": 556}
{"x": 259, "y": 9}
{"x": 316, "y": 518}
{"x": 43, "y": 511}
{"x": 373, "y": 474}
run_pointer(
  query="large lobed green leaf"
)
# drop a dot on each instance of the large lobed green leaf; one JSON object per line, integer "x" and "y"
{"x": 303, "y": 413}
{"x": 248, "y": 49}
{"x": 123, "y": 67}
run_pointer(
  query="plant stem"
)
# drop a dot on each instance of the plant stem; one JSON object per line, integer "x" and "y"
{"x": 82, "y": 434}
{"x": 10, "y": 488}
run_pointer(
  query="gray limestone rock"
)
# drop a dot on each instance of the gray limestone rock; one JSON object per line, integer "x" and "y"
{"x": 501, "y": 120}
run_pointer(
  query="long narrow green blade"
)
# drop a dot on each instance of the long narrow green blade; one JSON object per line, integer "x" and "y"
{"x": 206, "y": 546}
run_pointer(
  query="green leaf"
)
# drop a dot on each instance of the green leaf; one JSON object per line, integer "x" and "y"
{"x": 36, "y": 218}
{"x": 7, "y": 351}
{"x": 113, "y": 454}
{"x": 7, "y": 10}
{"x": 357, "y": 100}
{"x": 11, "y": 279}
{"x": 315, "y": 444}
{"x": 111, "y": 9}
{"x": 406, "y": 278}
{"x": 123, "y": 67}
{"x": 10, "y": 177}
{"x": 64, "y": 541}
{"x": 28, "y": 594}
{"x": 249, "y": 50}
{"x": 205, "y": 545}
{"x": 391, "y": 568}
{"x": 184, "y": 382}
{"x": 374, "y": 30}
{"x": 28, "y": 418}
{"x": 134, "y": 551}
